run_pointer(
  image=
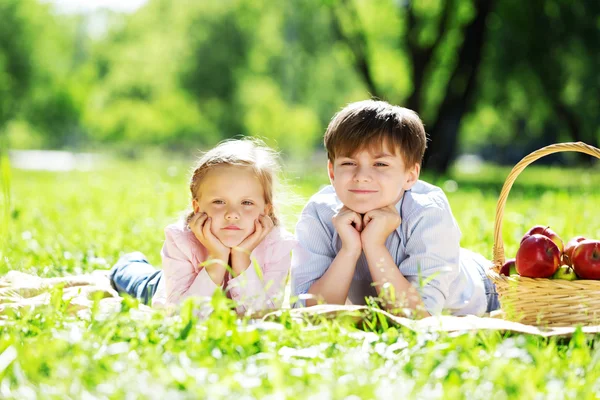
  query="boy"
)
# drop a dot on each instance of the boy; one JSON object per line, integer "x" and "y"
{"x": 379, "y": 230}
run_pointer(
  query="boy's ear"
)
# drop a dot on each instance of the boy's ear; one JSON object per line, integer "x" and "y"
{"x": 195, "y": 205}
{"x": 330, "y": 171}
{"x": 412, "y": 176}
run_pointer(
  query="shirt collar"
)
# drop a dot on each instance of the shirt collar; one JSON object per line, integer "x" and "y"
{"x": 399, "y": 209}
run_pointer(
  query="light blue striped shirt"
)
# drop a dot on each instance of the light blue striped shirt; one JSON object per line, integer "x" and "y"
{"x": 428, "y": 239}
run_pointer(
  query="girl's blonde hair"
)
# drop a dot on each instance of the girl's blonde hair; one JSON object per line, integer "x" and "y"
{"x": 246, "y": 152}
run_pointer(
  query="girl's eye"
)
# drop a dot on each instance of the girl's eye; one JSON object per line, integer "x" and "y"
{"x": 218, "y": 202}
{"x": 247, "y": 203}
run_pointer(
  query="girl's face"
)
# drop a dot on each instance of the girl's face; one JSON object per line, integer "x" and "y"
{"x": 233, "y": 198}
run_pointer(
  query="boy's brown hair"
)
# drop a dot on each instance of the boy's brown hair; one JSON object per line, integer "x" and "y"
{"x": 370, "y": 124}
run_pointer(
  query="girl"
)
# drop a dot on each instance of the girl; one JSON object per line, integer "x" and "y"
{"x": 233, "y": 222}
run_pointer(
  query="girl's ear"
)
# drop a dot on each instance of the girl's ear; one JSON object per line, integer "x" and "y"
{"x": 412, "y": 176}
{"x": 195, "y": 205}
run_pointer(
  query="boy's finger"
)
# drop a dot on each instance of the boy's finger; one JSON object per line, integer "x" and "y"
{"x": 368, "y": 218}
{"x": 357, "y": 222}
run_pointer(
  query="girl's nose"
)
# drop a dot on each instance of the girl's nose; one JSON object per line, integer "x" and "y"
{"x": 232, "y": 215}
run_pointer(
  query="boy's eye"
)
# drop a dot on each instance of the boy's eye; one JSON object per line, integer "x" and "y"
{"x": 380, "y": 164}
{"x": 347, "y": 163}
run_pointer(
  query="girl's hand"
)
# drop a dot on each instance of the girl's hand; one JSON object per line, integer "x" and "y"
{"x": 240, "y": 256}
{"x": 262, "y": 227}
{"x": 200, "y": 224}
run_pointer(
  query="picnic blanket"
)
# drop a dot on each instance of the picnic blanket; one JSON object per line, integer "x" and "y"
{"x": 18, "y": 290}
{"x": 444, "y": 323}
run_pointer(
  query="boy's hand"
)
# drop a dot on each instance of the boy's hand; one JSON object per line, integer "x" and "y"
{"x": 348, "y": 225}
{"x": 200, "y": 224}
{"x": 379, "y": 224}
{"x": 262, "y": 227}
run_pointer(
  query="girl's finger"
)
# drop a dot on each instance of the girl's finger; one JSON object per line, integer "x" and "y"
{"x": 192, "y": 220}
{"x": 200, "y": 224}
{"x": 258, "y": 227}
{"x": 266, "y": 222}
{"x": 198, "y": 219}
{"x": 206, "y": 228}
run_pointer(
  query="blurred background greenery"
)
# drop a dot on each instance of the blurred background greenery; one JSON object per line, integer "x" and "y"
{"x": 497, "y": 78}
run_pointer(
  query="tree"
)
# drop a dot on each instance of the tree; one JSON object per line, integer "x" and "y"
{"x": 427, "y": 39}
{"x": 16, "y": 48}
{"x": 552, "y": 49}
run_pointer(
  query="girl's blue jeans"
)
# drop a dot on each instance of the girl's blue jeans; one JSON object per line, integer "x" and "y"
{"x": 133, "y": 275}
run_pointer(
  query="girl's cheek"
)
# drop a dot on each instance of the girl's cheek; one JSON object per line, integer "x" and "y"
{"x": 215, "y": 214}
{"x": 211, "y": 210}
{"x": 253, "y": 213}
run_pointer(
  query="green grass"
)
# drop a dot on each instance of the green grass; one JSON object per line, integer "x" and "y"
{"x": 75, "y": 222}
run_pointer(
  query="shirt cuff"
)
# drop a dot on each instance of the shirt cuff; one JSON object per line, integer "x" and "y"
{"x": 433, "y": 300}
{"x": 247, "y": 283}
{"x": 203, "y": 285}
{"x": 299, "y": 303}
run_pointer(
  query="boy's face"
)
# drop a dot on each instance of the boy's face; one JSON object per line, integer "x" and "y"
{"x": 370, "y": 179}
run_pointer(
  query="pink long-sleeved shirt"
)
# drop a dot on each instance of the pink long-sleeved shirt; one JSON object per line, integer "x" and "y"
{"x": 183, "y": 276}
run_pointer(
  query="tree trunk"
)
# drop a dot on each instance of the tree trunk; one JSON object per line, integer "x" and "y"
{"x": 459, "y": 91}
{"x": 421, "y": 56}
{"x": 356, "y": 41}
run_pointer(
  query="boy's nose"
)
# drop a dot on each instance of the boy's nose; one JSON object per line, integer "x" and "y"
{"x": 362, "y": 175}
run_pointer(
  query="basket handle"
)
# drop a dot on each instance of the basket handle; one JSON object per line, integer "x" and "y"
{"x": 544, "y": 151}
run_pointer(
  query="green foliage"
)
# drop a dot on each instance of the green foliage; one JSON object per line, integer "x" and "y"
{"x": 16, "y": 48}
{"x": 182, "y": 74}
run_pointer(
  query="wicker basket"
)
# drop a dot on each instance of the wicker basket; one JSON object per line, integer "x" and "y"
{"x": 538, "y": 301}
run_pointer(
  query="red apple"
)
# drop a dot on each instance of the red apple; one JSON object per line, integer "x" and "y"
{"x": 546, "y": 231}
{"x": 586, "y": 259}
{"x": 538, "y": 257}
{"x": 569, "y": 249}
{"x": 509, "y": 268}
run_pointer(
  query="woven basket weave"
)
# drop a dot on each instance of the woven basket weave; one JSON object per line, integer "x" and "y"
{"x": 539, "y": 301}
